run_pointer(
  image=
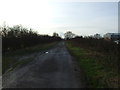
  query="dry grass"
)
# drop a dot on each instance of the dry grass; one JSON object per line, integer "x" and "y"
{"x": 99, "y": 70}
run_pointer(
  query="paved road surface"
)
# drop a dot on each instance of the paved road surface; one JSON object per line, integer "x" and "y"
{"x": 53, "y": 69}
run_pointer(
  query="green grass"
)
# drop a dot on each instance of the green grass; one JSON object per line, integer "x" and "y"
{"x": 98, "y": 75}
{"x": 10, "y": 59}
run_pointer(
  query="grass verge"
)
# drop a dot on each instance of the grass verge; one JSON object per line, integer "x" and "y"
{"x": 10, "y": 59}
{"x": 98, "y": 75}
{"x": 21, "y": 63}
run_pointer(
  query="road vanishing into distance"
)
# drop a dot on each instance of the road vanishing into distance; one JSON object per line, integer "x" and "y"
{"x": 52, "y": 69}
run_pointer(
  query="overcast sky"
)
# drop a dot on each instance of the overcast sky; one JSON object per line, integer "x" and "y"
{"x": 48, "y": 16}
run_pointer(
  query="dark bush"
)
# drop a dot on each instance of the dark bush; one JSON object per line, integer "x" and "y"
{"x": 17, "y": 37}
{"x": 100, "y": 45}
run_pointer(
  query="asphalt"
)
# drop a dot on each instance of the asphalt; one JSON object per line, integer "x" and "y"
{"x": 52, "y": 69}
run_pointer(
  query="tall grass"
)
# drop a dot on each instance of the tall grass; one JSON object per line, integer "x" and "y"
{"x": 101, "y": 48}
{"x": 97, "y": 61}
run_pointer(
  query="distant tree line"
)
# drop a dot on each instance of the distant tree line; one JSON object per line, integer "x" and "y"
{"x": 100, "y": 45}
{"x": 18, "y": 37}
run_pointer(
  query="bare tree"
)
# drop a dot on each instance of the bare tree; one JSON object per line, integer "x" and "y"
{"x": 55, "y": 34}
